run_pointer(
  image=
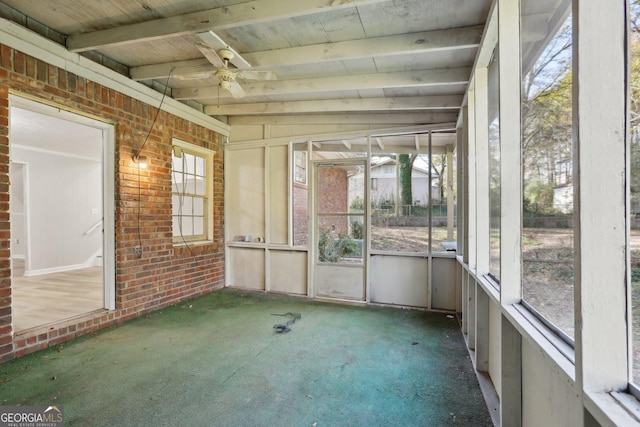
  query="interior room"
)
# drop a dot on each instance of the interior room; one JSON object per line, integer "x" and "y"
{"x": 473, "y": 162}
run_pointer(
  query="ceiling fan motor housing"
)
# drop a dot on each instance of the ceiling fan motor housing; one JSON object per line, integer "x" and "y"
{"x": 226, "y": 77}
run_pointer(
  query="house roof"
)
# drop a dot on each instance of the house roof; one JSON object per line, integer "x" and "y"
{"x": 362, "y": 61}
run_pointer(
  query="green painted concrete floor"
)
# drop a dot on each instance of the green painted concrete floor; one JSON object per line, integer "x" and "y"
{"x": 218, "y": 361}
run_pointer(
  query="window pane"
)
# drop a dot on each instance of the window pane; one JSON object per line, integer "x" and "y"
{"x": 634, "y": 219}
{"x": 190, "y": 184}
{"x": 200, "y": 163}
{"x": 340, "y": 239}
{"x": 443, "y": 232}
{"x": 198, "y": 225}
{"x": 547, "y": 237}
{"x": 176, "y": 163}
{"x": 201, "y": 188}
{"x": 175, "y": 224}
{"x": 494, "y": 167}
{"x": 187, "y": 226}
{"x": 198, "y": 206}
{"x": 300, "y": 197}
{"x": 400, "y": 201}
{"x": 175, "y": 204}
{"x": 189, "y": 163}
{"x": 187, "y": 205}
{"x": 190, "y": 178}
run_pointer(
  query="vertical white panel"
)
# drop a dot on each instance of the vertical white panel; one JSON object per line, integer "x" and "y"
{"x": 278, "y": 194}
{"x": 339, "y": 281}
{"x": 464, "y": 300}
{"x": 495, "y": 340}
{"x": 288, "y": 272}
{"x": 511, "y": 374}
{"x": 247, "y": 269}
{"x": 548, "y": 399}
{"x": 443, "y": 284}
{"x": 471, "y": 312}
{"x": 245, "y": 190}
{"x": 399, "y": 280}
{"x": 510, "y": 153}
{"x": 482, "y": 330}
{"x": 599, "y": 105}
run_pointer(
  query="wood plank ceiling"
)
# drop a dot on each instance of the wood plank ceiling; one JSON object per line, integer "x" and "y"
{"x": 408, "y": 61}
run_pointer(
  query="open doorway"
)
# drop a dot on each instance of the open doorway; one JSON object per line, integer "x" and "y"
{"x": 61, "y": 267}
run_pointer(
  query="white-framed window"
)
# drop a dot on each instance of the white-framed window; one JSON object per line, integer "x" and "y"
{"x": 300, "y": 167}
{"x": 191, "y": 188}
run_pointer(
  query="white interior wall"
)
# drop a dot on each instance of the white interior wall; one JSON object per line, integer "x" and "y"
{"x": 65, "y": 201}
{"x": 18, "y": 224}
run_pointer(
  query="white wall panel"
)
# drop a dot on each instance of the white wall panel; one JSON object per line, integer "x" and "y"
{"x": 399, "y": 280}
{"x": 337, "y": 281}
{"x": 288, "y": 272}
{"x": 547, "y": 399}
{"x": 247, "y": 268}
{"x": 495, "y": 325}
{"x": 245, "y": 192}
{"x": 278, "y": 194}
{"x": 443, "y": 284}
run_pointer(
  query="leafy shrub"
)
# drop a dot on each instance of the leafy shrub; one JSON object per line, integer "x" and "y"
{"x": 357, "y": 230}
{"x": 332, "y": 250}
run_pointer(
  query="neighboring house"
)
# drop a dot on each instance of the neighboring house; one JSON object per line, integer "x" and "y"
{"x": 384, "y": 182}
{"x": 563, "y": 187}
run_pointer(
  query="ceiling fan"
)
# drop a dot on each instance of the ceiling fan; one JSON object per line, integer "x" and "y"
{"x": 230, "y": 66}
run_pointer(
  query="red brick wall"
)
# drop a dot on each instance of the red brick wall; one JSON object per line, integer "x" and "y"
{"x": 300, "y": 215}
{"x": 333, "y": 197}
{"x": 165, "y": 274}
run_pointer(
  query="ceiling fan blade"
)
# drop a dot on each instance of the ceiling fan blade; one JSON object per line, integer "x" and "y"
{"x": 194, "y": 73}
{"x": 257, "y": 75}
{"x": 211, "y": 54}
{"x": 236, "y": 90}
{"x": 212, "y": 40}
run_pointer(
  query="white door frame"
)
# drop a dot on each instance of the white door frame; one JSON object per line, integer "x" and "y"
{"x": 108, "y": 183}
{"x": 313, "y": 259}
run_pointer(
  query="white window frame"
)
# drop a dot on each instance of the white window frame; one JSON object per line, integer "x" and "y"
{"x": 182, "y": 147}
{"x": 303, "y": 167}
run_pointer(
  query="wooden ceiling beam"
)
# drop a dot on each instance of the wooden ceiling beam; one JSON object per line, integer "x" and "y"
{"x": 427, "y": 41}
{"x": 251, "y": 12}
{"x": 421, "y": 78}
{"x": 438, "y": 102}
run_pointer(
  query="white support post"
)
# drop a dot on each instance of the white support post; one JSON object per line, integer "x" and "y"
{"x": 471, "y": 189}
{"x": 510, "y": 153}
{"x": 600, "y": 200}
{"x": 482, "y": 171}
{"x": 511, "y": 210}
{"x": 450, "y": 201}
{"x": 463, "y": 181}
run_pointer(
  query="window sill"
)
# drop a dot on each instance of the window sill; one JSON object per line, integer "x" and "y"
{"x": 614, "y": 408}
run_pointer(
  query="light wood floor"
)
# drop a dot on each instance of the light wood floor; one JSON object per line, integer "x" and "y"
{"x": 48, "y": 298}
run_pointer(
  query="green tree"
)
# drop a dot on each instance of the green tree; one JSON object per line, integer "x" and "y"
{"x": 546, "y": 112}
{"x": 405, "y": 163}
